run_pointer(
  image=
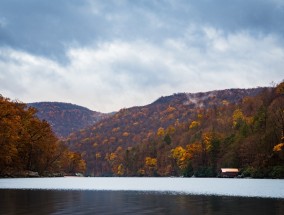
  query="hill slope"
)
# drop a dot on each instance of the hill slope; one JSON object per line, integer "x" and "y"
{"x": 66, "y": 118}
{"x": 121, "y": 144}
{"x": 126, "y": 124}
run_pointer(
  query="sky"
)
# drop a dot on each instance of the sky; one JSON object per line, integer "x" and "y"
{"x": 108, "y": 55}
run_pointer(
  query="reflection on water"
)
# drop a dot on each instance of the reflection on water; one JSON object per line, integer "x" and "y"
{"x": 129, "y": 202}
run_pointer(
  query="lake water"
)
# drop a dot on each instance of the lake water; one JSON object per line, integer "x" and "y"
{"x": 141, "y": 196}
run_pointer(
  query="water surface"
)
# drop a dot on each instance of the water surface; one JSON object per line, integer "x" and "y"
{"x": 58, "y": 196}
{"x": 57, "y": 202}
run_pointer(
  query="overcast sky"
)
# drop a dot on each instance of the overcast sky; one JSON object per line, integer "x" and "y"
{"x": 107, "y": 55}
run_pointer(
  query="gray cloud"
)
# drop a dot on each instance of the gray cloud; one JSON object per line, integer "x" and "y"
{"x": 121, "y": 74}
{"x": 255, "y": 15}
{"x": 119, "y": 53}
{"x": 47, "y": 28}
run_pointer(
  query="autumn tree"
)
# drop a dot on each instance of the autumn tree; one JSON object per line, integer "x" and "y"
{"x": 27, "y": 143}
{"x": 116, "y": 160}
{"x": 10, "y": 128}
{"x": 181, "y": 157}
{"x": 73, "y": 163}
{"x": 150, "y": 166}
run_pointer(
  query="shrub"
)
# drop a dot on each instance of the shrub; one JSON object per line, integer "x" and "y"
{"x": 277, "y": 172}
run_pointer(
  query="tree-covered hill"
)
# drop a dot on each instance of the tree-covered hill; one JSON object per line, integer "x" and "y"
{"x": 66, "y": 118}
{"x": 186, "y": 134}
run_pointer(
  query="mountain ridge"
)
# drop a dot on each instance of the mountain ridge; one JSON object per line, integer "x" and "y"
{"x": 139, "y": 125}
{"x": 65, "y": 118}
{"x": 60, "y": 114}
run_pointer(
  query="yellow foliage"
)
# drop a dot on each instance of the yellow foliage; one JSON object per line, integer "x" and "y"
{"x": 181, "y": 156}
{"x": 120, "y": 170}
{"x": 193, "y": 149}
{"x": 207, "y": 138}
{"x": 161, "y": 132}
{"x": 279, "y": 147}
{"x": 75, "y": 162}
{"x": 237, "y": 116}
{"x": 194, "y": 124}
{"x": 112, "y": 156}
{"x": 178, "y": 152}
{"x": 98, "y": 155}
{"x": 151, "y": 162}
{"x": 95, "y": 145}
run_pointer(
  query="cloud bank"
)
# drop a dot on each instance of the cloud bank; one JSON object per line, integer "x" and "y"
{"x": 115, "y": 54}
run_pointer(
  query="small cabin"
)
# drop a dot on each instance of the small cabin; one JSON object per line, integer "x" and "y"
{"x": 229, "y": 172}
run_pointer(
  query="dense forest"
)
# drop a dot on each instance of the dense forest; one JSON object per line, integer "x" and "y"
{"x": 190, "y": 135}
{"x": 66, "y": 118}
{"x": 29, "y": 147}
{"x": 180, "y": 135}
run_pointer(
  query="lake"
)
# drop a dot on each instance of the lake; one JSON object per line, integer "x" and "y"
{"x": 74, "y": 195}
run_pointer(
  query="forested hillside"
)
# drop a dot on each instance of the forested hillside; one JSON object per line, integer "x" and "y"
{"x": 190, "y": 134}
{"x": 180, "y": 135}
{"x": 29, "y": 147}
{"x": 66, "y": 118}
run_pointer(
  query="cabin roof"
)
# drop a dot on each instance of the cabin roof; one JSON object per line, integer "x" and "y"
{"x": 229, "y": 170}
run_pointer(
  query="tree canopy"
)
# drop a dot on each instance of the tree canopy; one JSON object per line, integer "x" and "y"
{"x": 29, "y": 144}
